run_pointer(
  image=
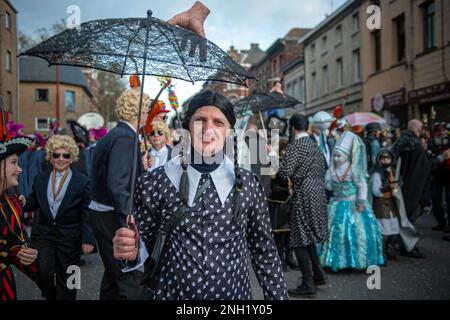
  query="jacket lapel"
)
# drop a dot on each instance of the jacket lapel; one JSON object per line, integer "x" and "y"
{"x": 70, "y": 192}
{"x": 41, "y": 192}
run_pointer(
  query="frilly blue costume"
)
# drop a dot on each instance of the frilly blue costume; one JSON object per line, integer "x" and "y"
{"x": 354, "y": 238}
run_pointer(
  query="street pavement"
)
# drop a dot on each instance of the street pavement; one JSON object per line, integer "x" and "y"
{"x": 406, "y": 278}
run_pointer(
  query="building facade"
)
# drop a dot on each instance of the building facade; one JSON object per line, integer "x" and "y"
{"x": 294, "y": 82}
{"x": 246, "y": 58}
{"x": 332, "y": 57}
{"x": 38, "y": 91}
{"x": 8, "y": 60}
{"x": 407, "y": 61}
{"x": 280, "y": 54}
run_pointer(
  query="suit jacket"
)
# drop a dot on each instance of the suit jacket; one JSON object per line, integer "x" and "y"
{"x": 73, "y": 212}
{"x": 112, "y": 166}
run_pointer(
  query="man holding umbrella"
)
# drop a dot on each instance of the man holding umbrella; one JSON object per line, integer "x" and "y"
{"x": 218, "y": 211}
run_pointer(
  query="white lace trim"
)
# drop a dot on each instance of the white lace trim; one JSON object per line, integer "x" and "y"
{"x": 22, "y": 140}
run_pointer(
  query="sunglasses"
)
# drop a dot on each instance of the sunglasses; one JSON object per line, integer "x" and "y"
{"x": 58, "y": 155}
{"x": 159, "y": 133}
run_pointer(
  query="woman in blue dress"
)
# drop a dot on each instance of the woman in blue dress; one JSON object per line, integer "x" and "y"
{"x": 354, "y": 237}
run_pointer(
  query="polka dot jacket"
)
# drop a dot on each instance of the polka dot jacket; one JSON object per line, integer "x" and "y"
{"x": 206, "y": 255}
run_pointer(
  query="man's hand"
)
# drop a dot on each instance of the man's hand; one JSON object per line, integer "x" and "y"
{"x": 277, "y": 88}
{"x": 193, "y": 19}
{"x": 87, "y": 248}
{"x": 360, "y": 208}
{"x": 22, "y": 200}
{"x": 27, "y": 255}
{"x": 125, "y": 244}
{"x": 147, "y": 161}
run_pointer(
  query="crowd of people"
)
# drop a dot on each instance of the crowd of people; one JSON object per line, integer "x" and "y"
{"x": 331, "y": 204}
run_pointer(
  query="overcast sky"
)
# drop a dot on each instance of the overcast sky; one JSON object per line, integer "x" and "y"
{"x": 231, "y": 22}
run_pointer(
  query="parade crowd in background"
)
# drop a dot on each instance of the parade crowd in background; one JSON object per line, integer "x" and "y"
{"x": 343, "y": 197}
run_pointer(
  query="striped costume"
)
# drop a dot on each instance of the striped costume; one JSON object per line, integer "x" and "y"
{"x": 10, "y": 231}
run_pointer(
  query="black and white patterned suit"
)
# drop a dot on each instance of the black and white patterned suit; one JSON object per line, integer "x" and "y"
{"x": 208, "y": 250}
{"x": 304, "y": 164}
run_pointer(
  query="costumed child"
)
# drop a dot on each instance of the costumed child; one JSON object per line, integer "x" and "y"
{"x": 354, "y": 236}
{"x": 388, "y": 205}
{"x": 14, "y": 249}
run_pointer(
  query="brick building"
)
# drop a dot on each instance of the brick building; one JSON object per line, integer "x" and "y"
{"x": 38, "y": 89}
{"x": 246, "y": 58}
{"x": 8, "y": 61}
{"x": 280, "y": 54}
{"x": 406, "y": 64}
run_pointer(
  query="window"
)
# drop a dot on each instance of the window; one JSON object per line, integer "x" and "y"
{"x": 377, "y": 49}
{"x": 313, "y": 50}
{"x": 7, "y": 21}
{"x": 314, "y": 88}
{"x": 356, "y": 22}
{"x": 357, "y": 64}
{"x": 294, "y": 89}
{"x": 325, "y": 79}
{"x": 70, "y": 101}
{"x": 401, "y": 37}
{"x": 429, "y": 11}
{"x": 232, "y": 86}
{"x": 9, "y": 102}
{"x": 8, "y": 61}
{"x": 339, "y": 35}
{"x": 289, "y": 89}
{"x": 43, "y": 124}
{"x": 324, "y": 44}
{"x": 340, "y": 73}
{"x": 41, "y": 95}
{"x": 302, "y": 89}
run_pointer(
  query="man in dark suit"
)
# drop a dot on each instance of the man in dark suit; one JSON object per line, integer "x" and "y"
{"x": 111, "y": 193}
{"x": 62, "y": 232}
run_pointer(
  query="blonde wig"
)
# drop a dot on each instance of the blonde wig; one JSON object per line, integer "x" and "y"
{"x": 127, "y": 106}
{"x": 158, "y": 125}
{"x": 62, "y": 142}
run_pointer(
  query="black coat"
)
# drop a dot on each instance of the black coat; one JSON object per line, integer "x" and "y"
{"x": 415, "y": 169}
{"x": 112, "y": 165}
{"x": 73, "y": 212}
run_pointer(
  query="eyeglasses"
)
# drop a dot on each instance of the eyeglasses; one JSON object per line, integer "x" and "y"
{"x": 159, "y": 133}
{"x": 58, "y": 155}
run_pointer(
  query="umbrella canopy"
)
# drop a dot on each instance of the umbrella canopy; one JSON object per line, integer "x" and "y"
{"x": 143, "y": 46}
{"x": 147, "y": 46}
{"x": 260, "y": 102}
{"x": 363, "y": 119}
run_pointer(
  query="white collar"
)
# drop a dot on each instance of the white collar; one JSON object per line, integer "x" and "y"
{"x": 132, "y": 128}
{"x": 160, "y": 152}
{"x": 223, "y": 178}
{"x": 301, "y": 135}
{"x": 60, "y": 174}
